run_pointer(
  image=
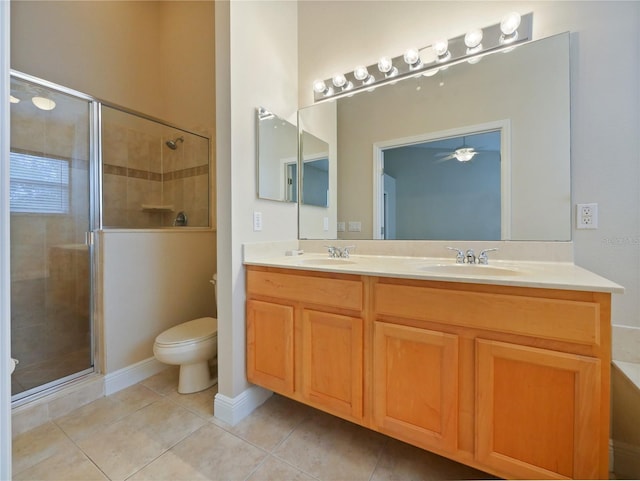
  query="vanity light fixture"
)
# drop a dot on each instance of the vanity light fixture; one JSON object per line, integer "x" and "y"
{"x": 386, "y": 67}
{"x": 473, "y": 41}
{"x": 43, "y": 103}
{"x": 361, "y": 73}
{"x": 340, "y": 82}
{"x": 412, "y": 58}
{"x": 441, "y": 48}
{"x": 14, "y": 100}
{"x": 512, "y": 30}
{"x": 320, "y": 87}
{"x": 509, "y": 28}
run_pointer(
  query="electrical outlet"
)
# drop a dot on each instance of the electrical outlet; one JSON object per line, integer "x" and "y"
{"x": 325, "y": 224}
{"x": 341, "y": 227}
{"x": 587, "y": 216}
{"x": 257, "y": 221}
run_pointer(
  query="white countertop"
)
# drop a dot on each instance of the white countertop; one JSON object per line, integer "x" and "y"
{"x": 550, "y": 275}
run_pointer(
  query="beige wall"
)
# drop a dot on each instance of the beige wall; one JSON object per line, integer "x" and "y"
{"x": 152, "y": 281}
{"x": 256, "y": 50}
{"x": 605, "y": 119}
{"x": 156, "y": 58}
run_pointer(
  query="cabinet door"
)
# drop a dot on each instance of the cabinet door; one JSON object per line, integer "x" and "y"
{"x": 270, "y": 345}
{"x": 332, "y": 362}
{"x": 415, "y": 383}
{"x": 537, "y": 411}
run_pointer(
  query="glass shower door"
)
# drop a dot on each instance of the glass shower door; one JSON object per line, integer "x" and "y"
{"x": 50, "y": 192}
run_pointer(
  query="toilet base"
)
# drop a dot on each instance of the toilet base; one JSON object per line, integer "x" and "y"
{"x": 195, "y": 377}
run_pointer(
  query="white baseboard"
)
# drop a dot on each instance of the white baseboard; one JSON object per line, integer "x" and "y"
{"x": 233, "y": 410}
{"x": 133, "y": 374}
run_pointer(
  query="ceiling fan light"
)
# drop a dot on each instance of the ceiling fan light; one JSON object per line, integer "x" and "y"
{"x": 464, "y": 154}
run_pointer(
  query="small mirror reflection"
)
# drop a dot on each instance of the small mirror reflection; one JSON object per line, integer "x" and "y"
{"x": 277, "y": 157}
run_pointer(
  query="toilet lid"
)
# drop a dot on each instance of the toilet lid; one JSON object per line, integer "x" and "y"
{"x": 191, "y": 331}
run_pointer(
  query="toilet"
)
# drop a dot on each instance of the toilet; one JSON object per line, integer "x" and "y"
{"x": 190, "y": 345}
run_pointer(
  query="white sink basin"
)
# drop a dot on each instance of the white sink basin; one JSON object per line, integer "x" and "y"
{"x": 471, "y": 270}
{"x": 327, "y": 261}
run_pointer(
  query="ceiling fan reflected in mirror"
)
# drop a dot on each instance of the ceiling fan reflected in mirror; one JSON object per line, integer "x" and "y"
{"x": 464, "y": 153}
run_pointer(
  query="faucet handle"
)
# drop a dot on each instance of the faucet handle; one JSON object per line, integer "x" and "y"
{"x": 346, "y": 251}
{"x": 333, "y": 251}
{"x": 459, "y": 254}
{"x": 483, "y": 258}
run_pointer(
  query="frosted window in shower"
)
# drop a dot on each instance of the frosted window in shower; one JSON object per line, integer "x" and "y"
{"x": 38, "y": 185}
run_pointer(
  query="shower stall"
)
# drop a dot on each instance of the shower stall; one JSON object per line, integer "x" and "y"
{"x": 78, "y": 165}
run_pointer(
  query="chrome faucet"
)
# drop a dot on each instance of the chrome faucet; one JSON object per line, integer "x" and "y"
{"x": 470, "y": 256}
{"x": 483, "y": 258}
{"x": 339, "y": 253}
{"x": 459, "y": 255}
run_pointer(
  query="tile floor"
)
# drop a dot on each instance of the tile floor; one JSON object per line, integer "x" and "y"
{"x": 150, "y": 432}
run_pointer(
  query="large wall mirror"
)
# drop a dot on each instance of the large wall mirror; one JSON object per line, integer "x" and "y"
{"x": 400, "y": 152}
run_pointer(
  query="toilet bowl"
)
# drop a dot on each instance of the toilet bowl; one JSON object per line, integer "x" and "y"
{"x": 191, "y": 345}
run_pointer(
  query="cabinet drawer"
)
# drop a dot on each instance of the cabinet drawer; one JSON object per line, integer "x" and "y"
{"x": 555, "y": 319}
{"x": 341, "y": 293}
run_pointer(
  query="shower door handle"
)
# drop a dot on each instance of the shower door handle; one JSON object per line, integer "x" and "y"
{"x": 89, "y": 238}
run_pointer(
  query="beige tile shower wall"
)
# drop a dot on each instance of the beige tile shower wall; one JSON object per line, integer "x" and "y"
{"x": 132, "y": 176}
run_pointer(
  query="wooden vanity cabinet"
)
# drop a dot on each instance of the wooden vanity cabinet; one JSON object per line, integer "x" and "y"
{"x": 305, "y": 337}
{"x": 415, "y": 385}
{"x": 510, "y": 380}
{"x": 532, "y": 374}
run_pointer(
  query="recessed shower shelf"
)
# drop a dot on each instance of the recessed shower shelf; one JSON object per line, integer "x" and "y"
{"x": 157, "y": 208}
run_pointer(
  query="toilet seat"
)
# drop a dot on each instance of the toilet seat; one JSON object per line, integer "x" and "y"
{"x": 190, "y": 332}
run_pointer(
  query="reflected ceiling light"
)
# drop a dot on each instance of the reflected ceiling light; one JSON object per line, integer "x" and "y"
{"x": 14, "y": 100}
{"x": 43, "y": 103}
{"x": 499, "y": 37}
{"x": 509, "y": 27}
{"x": 385, "y": 65}
{"x": 412, "y": 58}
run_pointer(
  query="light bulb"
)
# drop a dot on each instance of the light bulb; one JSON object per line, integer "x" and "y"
{"x": 319, "y": 86}
{"x": 14, "y": 100}
{"x": 43, "y": 103}
{"x": 473, "y": 38}
{"x": 510, "y": 23}
{"x": 360, "y": 72}
{"x": 412, "y": 58}
{"x": 441, "y": 47}
{"x": 385, "y": 65}
{"x": 339, "y": 80}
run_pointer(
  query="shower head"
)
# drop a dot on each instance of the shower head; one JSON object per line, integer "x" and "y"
{"x": 173, "y": 144}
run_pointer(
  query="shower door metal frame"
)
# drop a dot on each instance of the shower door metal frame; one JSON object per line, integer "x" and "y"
{"x": 94, "y": 215}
